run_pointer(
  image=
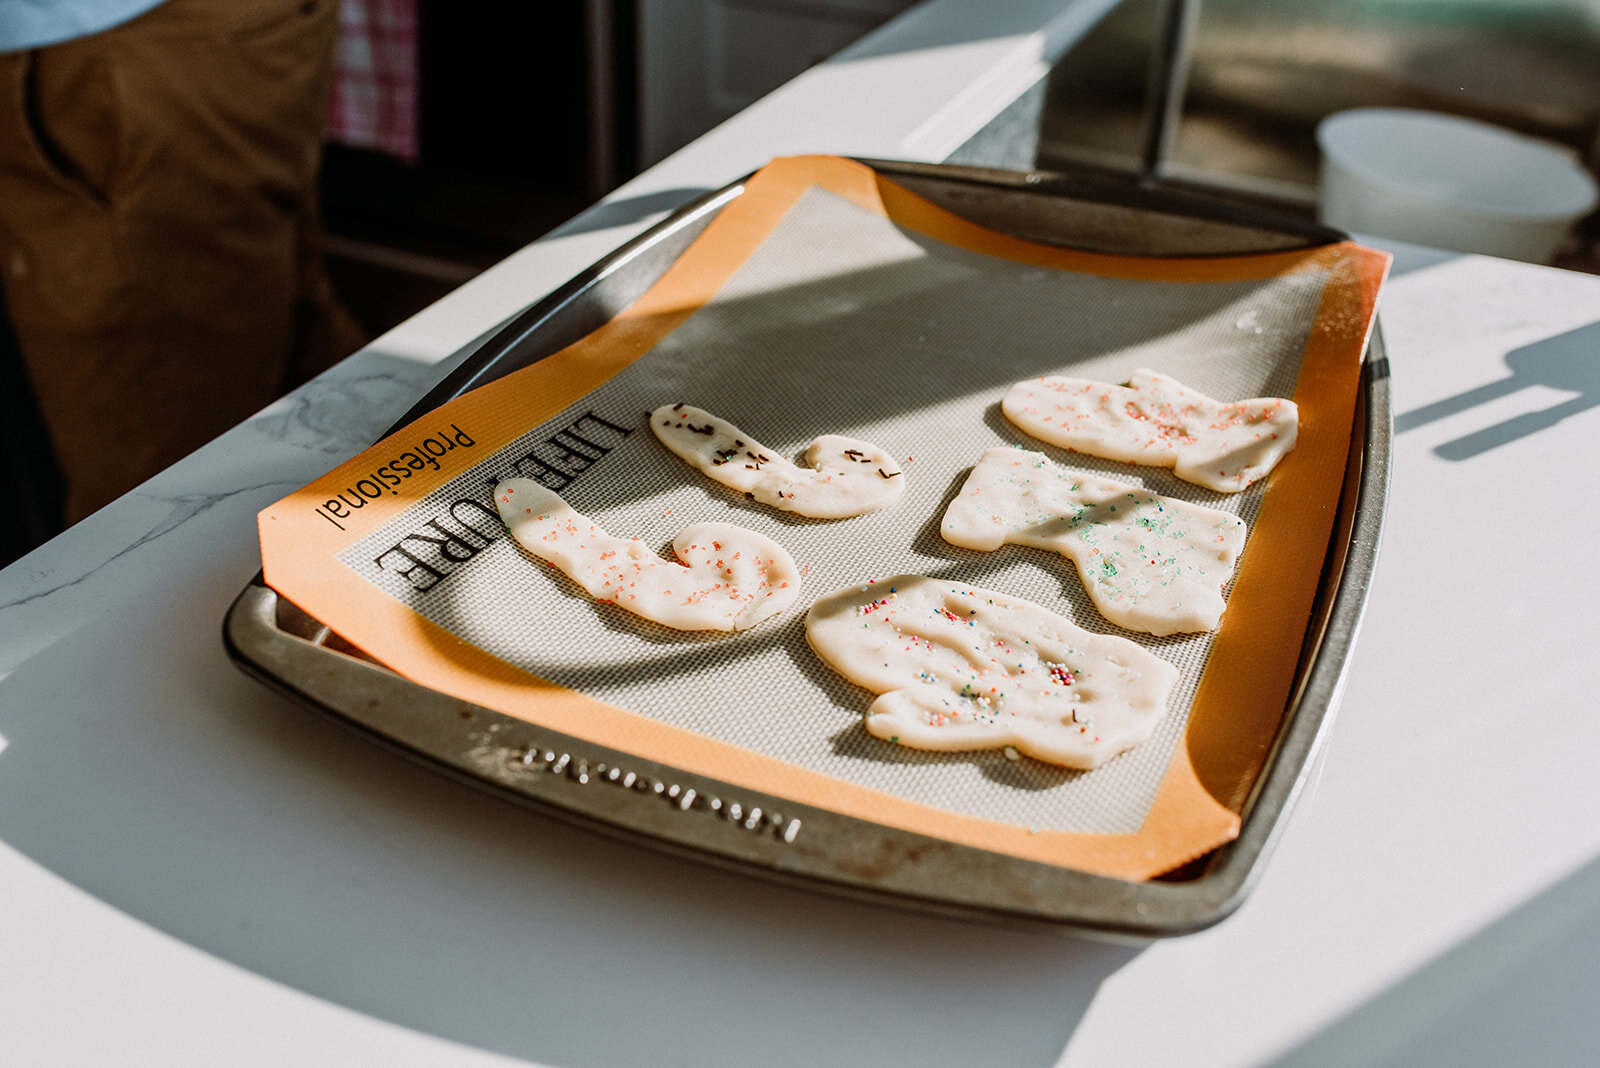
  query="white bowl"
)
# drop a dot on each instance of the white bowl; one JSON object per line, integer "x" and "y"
{"x": 1449, "y": 182}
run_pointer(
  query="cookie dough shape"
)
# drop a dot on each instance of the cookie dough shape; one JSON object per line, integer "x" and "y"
{"x": 730, "y": 578}
{"x": 843, "y": 477}
{"x": 1149, "y": 563}
{"x": 1158, "y": 421}
{"x": 958, "y": 667}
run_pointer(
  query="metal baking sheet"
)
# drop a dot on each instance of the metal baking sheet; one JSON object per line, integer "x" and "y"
{"x": 668, "y": 807}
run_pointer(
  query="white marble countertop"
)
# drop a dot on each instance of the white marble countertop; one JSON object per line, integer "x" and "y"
{"x": 193, "y": 870}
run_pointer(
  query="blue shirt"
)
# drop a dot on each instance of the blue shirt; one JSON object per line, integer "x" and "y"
{"x": 32, "y": 23}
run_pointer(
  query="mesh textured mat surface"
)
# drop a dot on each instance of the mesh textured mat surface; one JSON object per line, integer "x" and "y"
{"x": 844, "y": 323}
{"x": 826, "y": 299}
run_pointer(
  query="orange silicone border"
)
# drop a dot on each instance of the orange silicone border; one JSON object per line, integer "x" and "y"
{"x": 1246, "y": 683}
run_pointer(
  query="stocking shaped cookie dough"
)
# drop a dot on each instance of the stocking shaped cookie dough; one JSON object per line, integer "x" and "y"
{"x": 1158, "y": 421}
{"x": 958, "y": 667}
{"x": 843, "y": 477}
{"x": 729, "y": 578}
{"x": 1149, "y": 563}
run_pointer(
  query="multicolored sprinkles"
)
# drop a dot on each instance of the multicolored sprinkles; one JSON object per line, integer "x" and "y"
{"x": 958, "y": 667}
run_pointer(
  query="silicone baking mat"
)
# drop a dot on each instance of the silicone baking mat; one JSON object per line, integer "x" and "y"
{"x": 827, "y": 299}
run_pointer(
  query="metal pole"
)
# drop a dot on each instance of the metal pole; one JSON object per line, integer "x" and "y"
{"x": 600, "y": 24}
{"x": 1169, "y": 78}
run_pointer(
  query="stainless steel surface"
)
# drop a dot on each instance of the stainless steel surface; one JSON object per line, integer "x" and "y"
{"x": 769, "y": 835}
{"x": 1226, "y": 95}
{"x": 1264, "y": 74}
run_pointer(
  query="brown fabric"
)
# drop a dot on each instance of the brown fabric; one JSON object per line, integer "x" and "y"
{"x": 159, "y": 229}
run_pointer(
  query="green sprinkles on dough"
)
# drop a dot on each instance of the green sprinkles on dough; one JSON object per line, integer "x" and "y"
{"x": 1126, "y": 544}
